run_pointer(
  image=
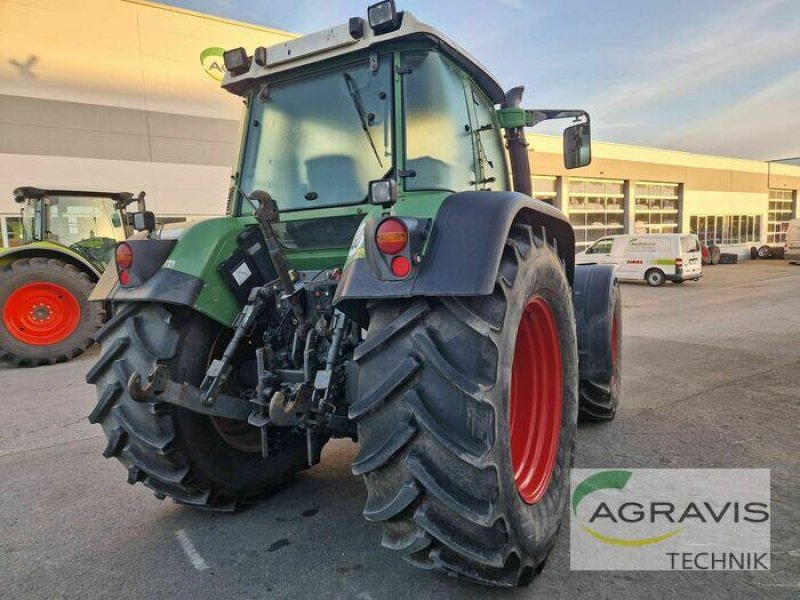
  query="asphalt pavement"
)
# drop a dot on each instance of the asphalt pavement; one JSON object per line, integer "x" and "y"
{"x": 711, "y": 380}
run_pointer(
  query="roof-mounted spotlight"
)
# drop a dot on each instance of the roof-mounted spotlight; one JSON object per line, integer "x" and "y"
{"x": 356, "y": 27}
{"x": 236, "y": 61}
{"x": 383, "y": 17}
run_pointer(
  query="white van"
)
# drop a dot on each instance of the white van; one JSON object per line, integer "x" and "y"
{"x": 652, "y": 257}
{"x": 791, "y": 246}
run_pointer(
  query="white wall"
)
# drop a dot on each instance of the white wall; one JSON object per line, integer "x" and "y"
{"x": 172, "y": 189}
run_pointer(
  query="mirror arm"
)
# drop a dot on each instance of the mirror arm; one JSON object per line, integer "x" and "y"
{"x": 536, "y": 116}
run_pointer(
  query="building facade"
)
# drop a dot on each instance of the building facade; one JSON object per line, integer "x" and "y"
{"x": 123, "y": 95}
{"x": 734, "y": 203}
{"x": 118, "y": 95}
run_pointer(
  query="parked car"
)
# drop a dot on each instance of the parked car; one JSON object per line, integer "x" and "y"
{"x": 652, "y": 257}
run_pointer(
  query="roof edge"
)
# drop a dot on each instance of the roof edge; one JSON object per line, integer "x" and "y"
{"x": 209, "y": 17}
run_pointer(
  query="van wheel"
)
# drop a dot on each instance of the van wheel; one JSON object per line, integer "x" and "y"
{"x": 764, "y": 252}
{"x": 655, "y": 277}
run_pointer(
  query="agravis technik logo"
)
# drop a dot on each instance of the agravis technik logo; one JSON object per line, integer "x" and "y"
{"x": 670, "y": 519}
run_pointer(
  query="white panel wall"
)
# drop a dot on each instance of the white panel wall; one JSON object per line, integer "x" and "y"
{"x": 172, "y": 189}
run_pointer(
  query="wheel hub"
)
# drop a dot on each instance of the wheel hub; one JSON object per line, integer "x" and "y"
{"x": 535, "y": 401}
{"x": 41, "y": 313}
{"x": 238, "y": 434}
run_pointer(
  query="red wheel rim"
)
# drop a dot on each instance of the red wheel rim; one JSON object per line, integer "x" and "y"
{"x": 535, "y": 419}
{"x": 41, "y": 313}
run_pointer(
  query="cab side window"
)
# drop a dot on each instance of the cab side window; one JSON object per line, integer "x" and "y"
{"x": 488, "y": 144}
{"x": 439, "y": 145}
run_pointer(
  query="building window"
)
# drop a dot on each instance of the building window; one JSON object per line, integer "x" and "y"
{"x": 729, "y": 229}
{"x": 596, "y": 209}
{"x": 12, "y": 234}
{"x": 656, "y": 207}
{"x": 545, "y": 188}
{"x": 781, "y": 211}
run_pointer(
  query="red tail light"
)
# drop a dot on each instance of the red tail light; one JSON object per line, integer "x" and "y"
{"x": 124, "y": 256}
{"x": 401, "y": 266}
{"x": 392, "y": 237}
{"x": 678, "y": 262}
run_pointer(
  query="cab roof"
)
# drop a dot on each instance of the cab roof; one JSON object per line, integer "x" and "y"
{"x": 33, "y": 193}
{"x": 340, "y": 41}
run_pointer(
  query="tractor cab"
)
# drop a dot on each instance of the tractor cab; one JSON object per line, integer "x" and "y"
{"x": 380, "y": 111}
{"x": 88, "y": 223}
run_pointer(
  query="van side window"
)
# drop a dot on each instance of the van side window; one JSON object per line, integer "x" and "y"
{"x": 602, "y": 247}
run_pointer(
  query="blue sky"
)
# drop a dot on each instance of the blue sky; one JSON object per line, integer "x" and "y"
{"x": 712, "y": 76}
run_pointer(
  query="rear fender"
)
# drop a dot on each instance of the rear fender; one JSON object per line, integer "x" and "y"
{"x": 463, "y": 250}
{"x": 51, "y": 250}
{"x": 593, "y": 294}
{"x": 188, "y": 276}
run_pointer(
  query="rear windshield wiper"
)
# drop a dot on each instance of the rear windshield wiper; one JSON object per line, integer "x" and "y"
{"x": 351, "y": 87}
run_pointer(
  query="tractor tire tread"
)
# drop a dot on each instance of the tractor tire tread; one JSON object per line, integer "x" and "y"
{"x": 427, "y": 443}
{"x": 143, "y": 435}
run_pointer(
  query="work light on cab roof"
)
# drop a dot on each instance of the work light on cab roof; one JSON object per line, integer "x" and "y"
{"x": 383, "y": 17}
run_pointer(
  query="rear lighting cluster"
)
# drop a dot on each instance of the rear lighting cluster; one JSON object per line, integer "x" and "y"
{"x": 679, "y": 262}
{"x": 391, "y": 239}
{"x": 124, "y": 259}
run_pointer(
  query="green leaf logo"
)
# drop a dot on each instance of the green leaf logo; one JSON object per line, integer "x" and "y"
{"x": 212, "y": 62}
{"x": 599, "y": 481}
{"x": 616, "y": 480}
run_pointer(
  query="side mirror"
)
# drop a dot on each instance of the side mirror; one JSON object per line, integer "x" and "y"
{"x": 577, "y": 146}
{"x": 589, "y": 250}
{"x": 143, "y": 221}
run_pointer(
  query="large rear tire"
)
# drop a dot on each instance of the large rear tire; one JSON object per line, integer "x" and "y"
{"x": 178, "y": 453}
{"x": 45, "y": 315}
{"x": 467, "y": 416}
{"x": 599, "y": 398}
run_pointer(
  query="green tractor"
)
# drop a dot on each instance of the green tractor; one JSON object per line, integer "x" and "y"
{"x": 69, "y": 236}
{"x": 381, "y": 275}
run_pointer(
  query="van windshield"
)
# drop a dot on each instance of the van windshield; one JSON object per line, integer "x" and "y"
{"x": 689, "y": 243}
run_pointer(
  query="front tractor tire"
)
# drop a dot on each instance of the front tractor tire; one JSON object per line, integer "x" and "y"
{"x": 45, "y": 314}
{"x": 467, "y": 414}
{"x": 192, "y": 458}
